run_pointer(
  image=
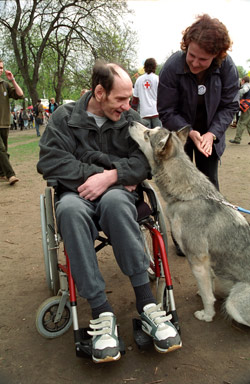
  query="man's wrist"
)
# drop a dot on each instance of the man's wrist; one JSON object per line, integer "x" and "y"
{"x": 12, "y": 79}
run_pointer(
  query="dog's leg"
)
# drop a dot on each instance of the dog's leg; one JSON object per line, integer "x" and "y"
{"x": 202, "y": 272}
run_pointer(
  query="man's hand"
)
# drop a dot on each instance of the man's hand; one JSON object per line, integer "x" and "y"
{"x": 203, "y": 143}
{"x": 97, "y": 184}
{"x": 131, "y": 188}
{"x": 9, "y": 75}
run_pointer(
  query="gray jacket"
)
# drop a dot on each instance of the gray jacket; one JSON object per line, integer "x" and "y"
{"x": 73, "y": 148}
{"x": 178, "y": 96}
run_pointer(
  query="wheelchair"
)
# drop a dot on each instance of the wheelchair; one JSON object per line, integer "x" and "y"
{"x": 57, "y": 313}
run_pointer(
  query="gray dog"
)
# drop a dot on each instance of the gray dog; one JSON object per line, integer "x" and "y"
{"x": 214, "y": 236}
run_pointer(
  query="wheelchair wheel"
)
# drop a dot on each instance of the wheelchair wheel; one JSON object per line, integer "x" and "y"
{"x": 50, "y": 246}
{"x": 151, "y": 198}
{"x": 148, "y": 248}
{"x": 162, "y": 295}
{"x": 45, "y": 318}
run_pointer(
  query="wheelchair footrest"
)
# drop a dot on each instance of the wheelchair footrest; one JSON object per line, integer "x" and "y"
{"x": 142, "y": 340}
{"x": 83, "y": 343}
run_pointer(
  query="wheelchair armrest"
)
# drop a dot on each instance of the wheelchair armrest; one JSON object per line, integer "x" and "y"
{"x": 52, "y": 183}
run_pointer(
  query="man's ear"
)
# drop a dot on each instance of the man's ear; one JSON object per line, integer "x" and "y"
{"x": 100, "y": 93}
{"x": 183, "y": 133}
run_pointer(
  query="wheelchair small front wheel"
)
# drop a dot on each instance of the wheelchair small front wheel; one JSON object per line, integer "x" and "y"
{"x": 45, "y": 318}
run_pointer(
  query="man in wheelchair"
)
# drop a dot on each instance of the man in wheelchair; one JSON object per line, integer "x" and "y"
{"x": 87, "y": 149}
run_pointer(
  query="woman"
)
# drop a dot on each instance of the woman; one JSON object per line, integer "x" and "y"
{"x": 198, "y": 86}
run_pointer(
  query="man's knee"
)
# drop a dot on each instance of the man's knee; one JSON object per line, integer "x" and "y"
{"x": 71, "y": 207}
{"x": 117, "y": 201}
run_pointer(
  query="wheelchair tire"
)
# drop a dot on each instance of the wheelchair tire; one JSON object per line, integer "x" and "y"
{"x": 162, "y": 295}
{"x": 45, "y": 318}
{"x": 162, "y": 222}
{"x": 147, "y": 237}
{"x": 148, "y": 248}
{"x": 52, "y": 260}
{"x": 44, "y": 241}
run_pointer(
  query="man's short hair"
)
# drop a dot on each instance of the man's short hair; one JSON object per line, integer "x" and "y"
{"x": 150, "y": 65}
{"x": 104, "y": 74}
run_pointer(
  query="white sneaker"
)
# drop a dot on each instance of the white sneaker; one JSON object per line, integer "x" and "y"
{"x": 105, "y": 343}
{"x": 157, "y": 324}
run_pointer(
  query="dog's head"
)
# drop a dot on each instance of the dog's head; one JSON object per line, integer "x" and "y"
{"x": 158, "y": 143}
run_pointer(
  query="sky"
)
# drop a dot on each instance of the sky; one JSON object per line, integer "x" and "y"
{"x": 159, "y": 25}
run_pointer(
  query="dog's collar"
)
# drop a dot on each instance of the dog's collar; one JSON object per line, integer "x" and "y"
{"x": 224, "y": 202}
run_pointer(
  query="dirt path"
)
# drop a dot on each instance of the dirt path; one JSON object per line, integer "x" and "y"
{"x": 212, "y": 353}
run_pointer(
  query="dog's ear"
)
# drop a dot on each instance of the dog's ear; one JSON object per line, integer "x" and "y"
{"x": 164, "y": 145}
{"x": 183, "y": 133}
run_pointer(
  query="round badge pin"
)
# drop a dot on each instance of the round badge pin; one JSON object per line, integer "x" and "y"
{"x": 201, "y": 89}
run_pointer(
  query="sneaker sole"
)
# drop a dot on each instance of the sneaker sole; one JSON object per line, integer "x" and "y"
{"x": 170, "y": 349}
{"x": 107, "y": 359}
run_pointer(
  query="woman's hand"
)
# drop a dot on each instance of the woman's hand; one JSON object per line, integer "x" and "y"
{"x": 203, "y": 143}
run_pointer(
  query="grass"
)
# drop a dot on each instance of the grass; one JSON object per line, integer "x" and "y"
{"x": 24, "y": 151}
{"x": 18, "y": 139}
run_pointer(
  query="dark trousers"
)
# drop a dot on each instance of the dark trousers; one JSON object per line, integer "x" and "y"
{"x": 5, "y": 166}
{"x": 207, "y": 165}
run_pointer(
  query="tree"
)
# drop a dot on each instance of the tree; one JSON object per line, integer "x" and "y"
{"x": 55, "y": 33}
{"x": 242, "y": 71}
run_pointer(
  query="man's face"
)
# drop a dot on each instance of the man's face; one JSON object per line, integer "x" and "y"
{"x": 197, "y": 59}
{"x": 118, "y": 100}
{"x": 1, "y": 68}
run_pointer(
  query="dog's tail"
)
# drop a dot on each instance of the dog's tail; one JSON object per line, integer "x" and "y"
{"x": 237, "y": 304}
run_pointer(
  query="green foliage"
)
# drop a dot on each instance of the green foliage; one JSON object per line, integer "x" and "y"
{"x": 242, "y": 71}
{"x": 53, "y": 44}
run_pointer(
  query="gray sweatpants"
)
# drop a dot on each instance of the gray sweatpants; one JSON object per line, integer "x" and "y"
{"x": 116, "y": 214}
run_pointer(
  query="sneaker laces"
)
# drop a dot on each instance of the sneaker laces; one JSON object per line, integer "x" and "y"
{"x": 101, "y": 326}
{"x": 158, "y": 316}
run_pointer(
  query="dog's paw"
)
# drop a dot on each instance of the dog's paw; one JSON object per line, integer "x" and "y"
{"x": 201, "y": 315}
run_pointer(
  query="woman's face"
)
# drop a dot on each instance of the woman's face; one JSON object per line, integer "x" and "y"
{"x": 197, "y": 59}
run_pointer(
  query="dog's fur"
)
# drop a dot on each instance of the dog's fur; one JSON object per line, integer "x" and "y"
{"x": 214, "y": 237}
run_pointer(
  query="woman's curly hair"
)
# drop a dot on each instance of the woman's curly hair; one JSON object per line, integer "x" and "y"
{"x": 210, "y": 34}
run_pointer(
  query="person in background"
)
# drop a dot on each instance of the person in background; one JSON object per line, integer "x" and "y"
{"x": 38, "y": 112}
{"x": 52, "y": 106}
{"x": 244, "y": 119}
{"x": 8, "y": 89}
{"x": 20, "y": 120}
{"x": 14, "y": 120}
{"x": 145, "y": 94}
{"x": 31, "y": 118}
{"x": 87, "y": 148}
{"x": 25, "y": 118}
{"x": 198, "y": 86}
{"x": 11, "y": 121}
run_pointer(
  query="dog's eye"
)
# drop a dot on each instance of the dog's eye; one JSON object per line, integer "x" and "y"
{"x": 146, "y": 135}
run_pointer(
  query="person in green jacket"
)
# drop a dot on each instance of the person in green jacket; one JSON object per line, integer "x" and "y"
{"x": 7, "y": 90}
